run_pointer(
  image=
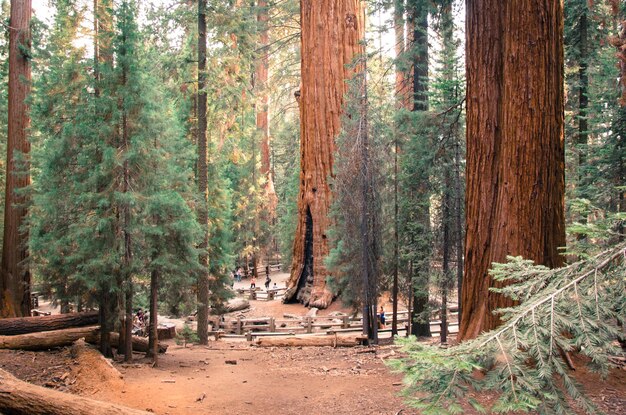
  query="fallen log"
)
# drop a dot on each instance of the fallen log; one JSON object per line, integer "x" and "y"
{"x": 311, "y": 341}
{"x": 21, "y": 398}
{"x": 47, "y": 339}
{"x": 25, "y": 325}
{"x": 58, "y": 338}
{"x": 140, "y": 344}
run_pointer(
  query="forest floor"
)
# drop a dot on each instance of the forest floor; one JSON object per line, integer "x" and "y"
{"x": 234, "y": 378}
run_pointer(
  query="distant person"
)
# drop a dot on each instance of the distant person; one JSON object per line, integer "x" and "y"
{"x": 253, "y": 282}
{"x": 267, "y": 282}
{"x": 275, "y": 287}
{"x": 381, "y": 316}
{"x": 267, "y": 270}
{"x": 239, "y": 273}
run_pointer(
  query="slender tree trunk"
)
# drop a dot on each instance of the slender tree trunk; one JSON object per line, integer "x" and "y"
{"x": 14, "y": 271}
{"x": 102, "y": 26}
{"x": 458, "y": 222}
{"x": 126, "y": 213}
{"x": 419, "y": 24}
{"x": 369, "y": 251}
{"x": 446, "y": 219}
{"x": 583, "y": 103}
{"x": 203, "y": 185}
{"x": 515, "y": 155}
{"x": 401, "y": 99}
{"x": 332, "y": 32}
{"x": 619, "y": 124}
{"x": 153, "y": 336}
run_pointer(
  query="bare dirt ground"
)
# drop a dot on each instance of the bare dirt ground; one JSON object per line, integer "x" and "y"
{"x": 235, "y": 378}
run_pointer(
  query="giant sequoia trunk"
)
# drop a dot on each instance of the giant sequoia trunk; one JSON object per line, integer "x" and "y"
{"x": 332, "y": 31}
{"x": 515, "y": 156}
{"x": 14, "y": 272}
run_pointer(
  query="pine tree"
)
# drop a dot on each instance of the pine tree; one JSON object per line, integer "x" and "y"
{"x": 573, "y": 308}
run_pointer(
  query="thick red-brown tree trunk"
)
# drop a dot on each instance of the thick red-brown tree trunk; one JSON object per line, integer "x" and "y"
{"x": 515, "y": 155}
{"x": 14, "y": 272}
{"x": 332, "y": 32}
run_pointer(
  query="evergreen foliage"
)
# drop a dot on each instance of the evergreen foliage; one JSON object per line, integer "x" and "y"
{"x": 571, "y": 309}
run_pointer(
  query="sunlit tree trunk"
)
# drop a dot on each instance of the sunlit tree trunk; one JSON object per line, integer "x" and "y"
{"x": 515, "y": 155}
{"x": 14, "y": 272}
{"x": 332, "y": 32}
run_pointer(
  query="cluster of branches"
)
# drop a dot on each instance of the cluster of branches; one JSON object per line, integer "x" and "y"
{"x": 578, "y": 308}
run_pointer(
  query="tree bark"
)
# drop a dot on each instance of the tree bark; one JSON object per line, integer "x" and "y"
{"x": 583, "y": 103}
{"x": 418, "y": 22}
{"x": 47, "y": 339}
{"x": 21, "y": 398}
{"x": 401, "y": 100}
{"x": 332, "y": 32}
{"x": 203, "y": 184}
{"x": 103, "y": 55}
{"x": 24, "y": 325}
{"x": 261, "y": 85}
{"x": 14, "y": 271}
{"x": 515, "y": 155}
{"x": 153, "y": 337}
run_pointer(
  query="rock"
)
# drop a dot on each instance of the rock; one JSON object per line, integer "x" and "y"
{"x": 312, "y": 312}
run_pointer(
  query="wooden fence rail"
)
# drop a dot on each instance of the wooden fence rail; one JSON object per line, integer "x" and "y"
{"x": 307, "y": 325}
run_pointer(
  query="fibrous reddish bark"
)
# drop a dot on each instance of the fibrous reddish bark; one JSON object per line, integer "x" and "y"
{"x": 14, "y": 272}
{"x": 262, "y": 114}
{"x": 515, "y": 155}
{"x": 332, "y": 32}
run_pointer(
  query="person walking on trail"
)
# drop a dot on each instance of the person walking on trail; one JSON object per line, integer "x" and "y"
{"x": 253, "y": 282}
{"x": 381, "y": 316}
{"x": 267, "y": 282}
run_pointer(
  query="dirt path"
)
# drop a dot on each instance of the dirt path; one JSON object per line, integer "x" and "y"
{"x": 314, "y": 381}
{"x": 233, "y": 378}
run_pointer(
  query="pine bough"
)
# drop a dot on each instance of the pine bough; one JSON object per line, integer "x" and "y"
{"x": 579, "y": 308}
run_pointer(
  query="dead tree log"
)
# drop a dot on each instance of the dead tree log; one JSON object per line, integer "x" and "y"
{"x": 24, "y": 325}
{"x": 140, "y": 344}
{"x": 58, "y": 338}
{"x": 21, "y": 398}
{"x": 47, "y": 339}
{"x": 334, "y": 341}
